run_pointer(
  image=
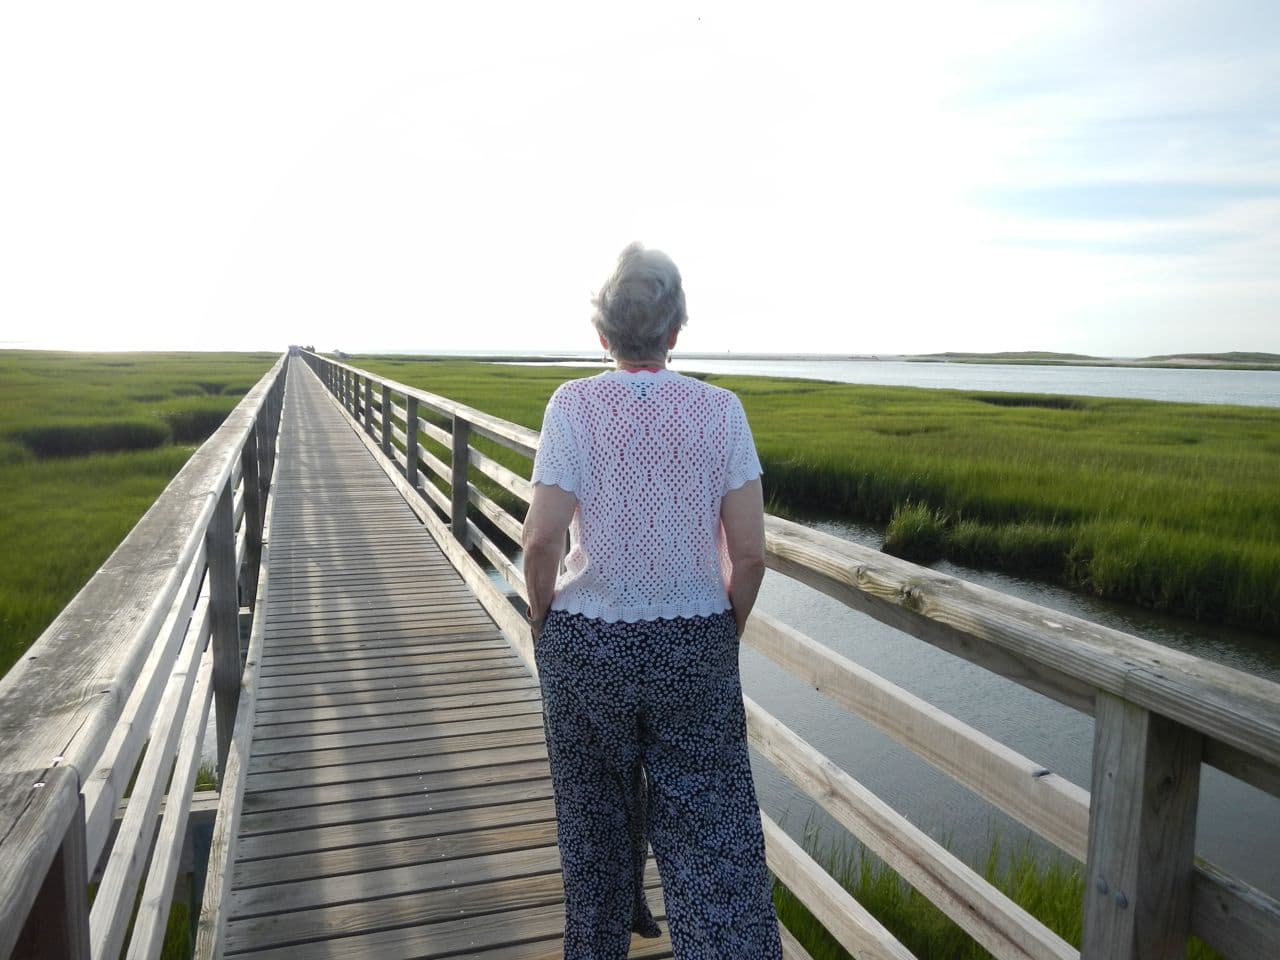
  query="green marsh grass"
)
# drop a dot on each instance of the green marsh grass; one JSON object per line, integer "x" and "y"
{"x": 1172, "y": 506}
{"x": 87, "y": 442}
{"x": 1049, "y": 888}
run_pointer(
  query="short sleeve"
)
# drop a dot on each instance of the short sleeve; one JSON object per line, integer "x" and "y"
{"x": 557, "y": 462}
{"x": 743, "y": 465}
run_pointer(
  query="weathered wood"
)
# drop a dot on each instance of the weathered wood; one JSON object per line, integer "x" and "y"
{"x": 151, "y": 920}
{"x": 43, "y": 868}
{"x": 510, "y": 573}
{"x": 499, "y": 517}
{"x": 212, "y": 923}
{"x": 791, "y": 948}
{"x": 1059, "y": 655}
{"x": 112, "y": 907}
{"x": 438, "y": 434}
{"x": 385, "y": 440}
{"x": 458, "y": 478}
{"x": 1049, "y": 804}
{"x": 224, "y": 622}
{"x": 434, "y": 493}
{"x": 253, "y": 504}
{"x": 434, "y": 464}
{"x": 368, "y": 405}
{"x": 987, "y": 915}
{"x": 411, "y": 442}
{"x": 509, "y": 480}
{"x": 1233, "y": 917}
{"x": 1138, "y": 877}
{"x": 103, "y": 789}
{"x": 510, "y": 435}
{"x": 845, "y": 919}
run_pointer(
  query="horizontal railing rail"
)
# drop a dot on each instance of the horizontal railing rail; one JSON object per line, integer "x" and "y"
{"x": 102, "y": 719}
{"x": 1158, "y": 713}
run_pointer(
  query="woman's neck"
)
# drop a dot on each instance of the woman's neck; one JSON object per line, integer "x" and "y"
{"x": 633, "y": 365}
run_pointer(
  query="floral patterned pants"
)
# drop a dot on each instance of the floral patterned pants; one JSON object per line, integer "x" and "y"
{"x": 647, "y": 741}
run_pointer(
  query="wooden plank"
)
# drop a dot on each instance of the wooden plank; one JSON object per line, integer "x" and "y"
{"x": 508, "y": 479}
{"x": 395, "y": 852}
{"x": 438, "y": 434}
{"x": 528, "y": 781}
{"x": 409, "y": 650}
{"x": 978, "y": 908}
{"x": 374, "y": 884}
{"x": 459, "y": 487}
{"x": 408, "y": 909}
{"x": 1138, "y": 877}
{"x": 499, "y": 517}
{"x": 103, "y": 789}
{"x": 298, "y": 749}
{"x": 410, "y": 442}
{"x": 1062, "y": 656}
{"x": 505, "y": 567}
{"x": 483, "y": 766}
{"x": 531, "y": 933}
{"x": 490, "y": 749}
{"x": 1048, "y": 803}
{"x": 424, "y": 698}
{"x": 43, "y": 870}
{"x": 343, "y": 764}
{"x": 791, "y": 948}
{"x": 526, "y": 697}
{"x": 113, "y": 904}
{"x": 386, "y": 408}
{"x": 152, "y": 918}
{"x": 431, "y": 823}
{"x": 224, "y": 620}
{"x": 1232, "y": 917}
{"x": 845, "y": 919}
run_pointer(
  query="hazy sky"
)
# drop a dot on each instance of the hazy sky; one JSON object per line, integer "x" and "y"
{"x": 1101, "y": 177}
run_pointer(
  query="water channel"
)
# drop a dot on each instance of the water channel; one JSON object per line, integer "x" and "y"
{"x": 1239, "y": 826}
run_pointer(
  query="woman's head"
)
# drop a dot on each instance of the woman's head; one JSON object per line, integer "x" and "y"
{"x": 641, "y": 306}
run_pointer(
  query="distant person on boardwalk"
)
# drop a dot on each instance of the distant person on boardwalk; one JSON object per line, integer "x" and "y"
{"x": 655, "y": 476}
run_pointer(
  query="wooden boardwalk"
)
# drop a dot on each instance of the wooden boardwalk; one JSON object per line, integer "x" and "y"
{"x": 398, "y": 802}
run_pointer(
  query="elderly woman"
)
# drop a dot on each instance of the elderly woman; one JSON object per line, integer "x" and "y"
{"x": 656, "y": 478}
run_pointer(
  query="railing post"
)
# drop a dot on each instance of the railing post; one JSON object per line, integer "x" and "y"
{"x": 386, "y": 420}
{"x": 253, "y": 502}
{"x": 458, "y": 478}
{"x": 368, "y": 405}
{"x": 57, "y": 924}
{"x": 224, "y": 608}
{"x": 1142, "y": 824}
{"x": 411, "y": 440}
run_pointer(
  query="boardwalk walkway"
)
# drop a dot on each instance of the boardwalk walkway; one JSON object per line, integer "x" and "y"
{"x": 398, "y": 802}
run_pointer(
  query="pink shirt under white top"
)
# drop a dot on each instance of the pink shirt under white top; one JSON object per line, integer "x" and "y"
{"x": 649, "y": 455}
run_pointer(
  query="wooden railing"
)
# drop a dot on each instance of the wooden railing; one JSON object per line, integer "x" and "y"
{"x": 114, "y": 699}
{"x": 1159, "y": 714}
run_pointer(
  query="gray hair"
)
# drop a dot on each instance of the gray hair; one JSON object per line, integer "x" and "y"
{"x": 641, "y": 305}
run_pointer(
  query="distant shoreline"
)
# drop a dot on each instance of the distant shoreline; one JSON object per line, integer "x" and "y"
{"x": 1180, "y": 361}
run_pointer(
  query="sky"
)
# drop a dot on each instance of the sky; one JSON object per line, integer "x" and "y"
{"x": 1093, "y": 177}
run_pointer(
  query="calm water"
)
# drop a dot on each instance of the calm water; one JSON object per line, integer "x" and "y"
{"x": 1231, "y": 813}
{"x": 1255, "y": 388}
{"x": 1251, "y": 388}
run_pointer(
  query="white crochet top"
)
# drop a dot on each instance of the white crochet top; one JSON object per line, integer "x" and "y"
{"x": 649, "y": 455}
